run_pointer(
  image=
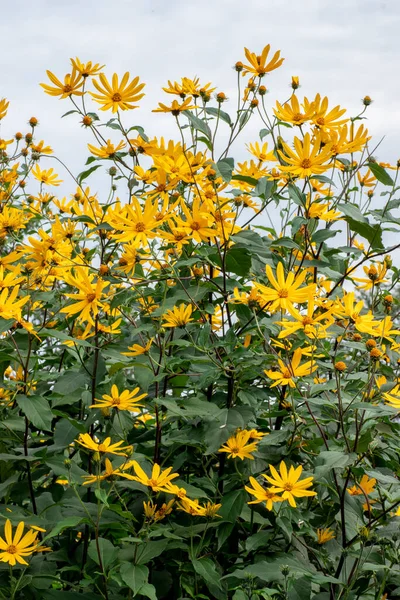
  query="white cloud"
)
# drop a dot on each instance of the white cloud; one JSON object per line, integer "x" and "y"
{"x": 344, "y": 50}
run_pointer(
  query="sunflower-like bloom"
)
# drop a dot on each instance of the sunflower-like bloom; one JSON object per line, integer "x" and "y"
{"x": 108, "y": 473}
{"x": 324, "y": 535}
{"x": 71, "y": 86}
{"x": 392, "y": 398}
{"x": 10, "y": 307}
{"x": 262, "y": 153}
{"x": 347, "y": 307}
{"x": 117, "y": 95}
{"x": 105, "y": 447}
{"x": 175, "y": 107}
{"x": 4, "y": 104}
{"x": 106, "y": 151}
{"x": 14, "y": 548}
{"x": 291, "y": 112}
{"x": 365, "y": 487}
{"x": 126, "y": 400}
{"x": 323, "y": 119}
{"x": 262, "y": 494}
{"x": 344, "y": 140}
{"x": 293, "y": 369}
{"x": 306, "y": 159}
{"x": 137, "y": 349}
{"x": 88, "y": 299}
{"x": 285, "y": 292}
{"x": 40, "y": 148}
{"x": 46, "y": 176}
{"x": 178, "y": 316}
{"x": 366, "y": 180}
{"x": 198, "y": 221}
{"x": 313, "y": 325}
{"x": 375, "y": 276}
{"x": 289, "y": 483}
{"x": 240, "y": 445}
{"x": 86, "y": 69}
{"x": 158, "y": 480}
{"x": 135, "y": 223}
{"x": 152, "y": 512}
{"x": 259, "y": 65}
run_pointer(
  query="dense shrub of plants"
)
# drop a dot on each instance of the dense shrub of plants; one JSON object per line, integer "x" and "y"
{"x": 199, "y": 363}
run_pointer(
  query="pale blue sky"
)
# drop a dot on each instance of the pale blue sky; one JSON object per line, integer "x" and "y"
{"x": 344, "y": 50}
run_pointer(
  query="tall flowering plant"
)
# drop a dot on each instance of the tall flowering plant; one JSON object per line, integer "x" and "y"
{"x": 200, "y": 390}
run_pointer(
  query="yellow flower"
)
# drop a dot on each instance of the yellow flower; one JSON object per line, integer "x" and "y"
{"x": 46, "y": 176}
{"x": 288, "y": 482}
{"x": 14, "y": 549}
{"x": 293, "y": 369}
{"x": 71, "y": 86}
{"x": 258, "y": 65}
{"x": 3, "y": 108}
{"x": 86, "y": 69}
{"x": 117, "y": 95}
{"x": 158, "y": 480}
{"x": 307, "y": 158}
{"x": 262, "y": 152}
{"x": 322, "y": 118}
{"x": 365, "y": 487}
{"x": 137, "y": 349}
{"x": 10, "y": 307}
{"x": 136, "y": 224}
{"x": 105, "y": 447}
{"x": 175, "y": 107}
{"x": 88, "y": 299}
{"x": 285, "y": 292}
{"x": 262, "y": 494}
{"x": 240, "y": 446}
{"x": 375, "y": 276}
{"x": 125, "y": 400}
{"x": 313, "y": 323}
{"x": 106, "y": 151}
{"x": 209, "y": 510}
{"x": 179, "y": 316}
{"x": 41, "y": 148}
{"x": 198, "y": 221}
{"x": 324, "y": 535}
{"x": 291, "y": 112}
{"x": 108, "y": 473}
{"x": 157, "y": 514}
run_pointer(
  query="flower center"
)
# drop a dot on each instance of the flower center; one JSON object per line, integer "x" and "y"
{"x": 116, "y": 97}
{"x": 288, "y": 487}
{"x": 12, "y": 549}
{"x": 283, "y": 293}
{"x": 90, "y": 297}
{"x": 116, "y": 402}
{"x": 298, "y": 117}
{"x": 320, "y": 121}
{"x": 152, "y": 483}
{"x": 102, "y": 448}
{"x": 305, "y": 163}
{"x": 67, "y": 89}
{"x": 140, "y": 226}
{"x": 195, "y": 226}
{"x": 235, "y": 450}
{"x": 307, "y": 321}
{"x": 286, "y": 374}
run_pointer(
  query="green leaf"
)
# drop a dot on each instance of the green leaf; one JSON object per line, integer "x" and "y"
{"x": 238, "y": 260}
{"x": 68, "y": 523}
{"x": 296, "y": 195}
{"x": 197, "y": 123}
{"x": 135, "y": 576}
{"x": 225, "y": 168}
{"x": 150, "y": 550}
{"x": 232, "y": 505}
{"x": 372, "y": 233}
{"x": 352, "y": 211}
{"x": 381, "y": 174}
{"x": 205, "y": 567}
{"x": 263, "y": 133}
{"x": 37, "y": 410}
{"x": 70, "y": 382}
{"x": 149, "y": 591}
{"x": 218, "y": 112}
{"x": 106, "y": 550}
{"x": 332, "y": 459}
{"x": 86, "y": 174}
{"x": 322, "y": 235}
{"x": 60, "y": 335}
{"x": 300, "y": 589}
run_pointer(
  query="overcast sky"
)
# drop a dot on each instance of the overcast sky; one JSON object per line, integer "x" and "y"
{"x": 344, "y": 49}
